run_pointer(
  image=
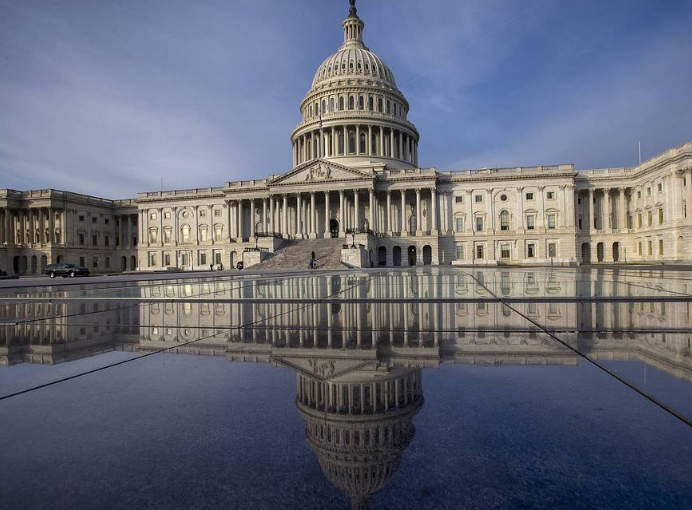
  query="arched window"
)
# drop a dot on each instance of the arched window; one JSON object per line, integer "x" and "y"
{"x": 351, "y": 103}
{"x": 389, "y": 107}
{"x": 371, "y": 104}
{"x": 331, "y": 104}
{"x": 362, "y": 143}
{"x": 317, "y": 108}
{"x": 310, "y": 111}
{"x": 324, "y": 106}
{"x": 351, "y": 142}
{"x": 203, "y": 233}
{"x": 341, "y": 143}
{"x": 361, "y": 103}
{"x": 341, "y": 104}
{"x": 379, "y": 104}
{"x": 504, "y": 220}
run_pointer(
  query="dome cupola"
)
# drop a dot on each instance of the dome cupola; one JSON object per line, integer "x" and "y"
{"x": 354, "y": 113}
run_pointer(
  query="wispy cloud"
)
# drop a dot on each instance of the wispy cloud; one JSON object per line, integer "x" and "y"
{"x": 108, "y": 97}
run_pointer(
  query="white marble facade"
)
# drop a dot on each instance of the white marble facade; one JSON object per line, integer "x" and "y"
{"x": 355, "y": 168}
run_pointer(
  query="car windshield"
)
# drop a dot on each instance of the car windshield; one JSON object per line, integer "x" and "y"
{"x": 70, "y": 265}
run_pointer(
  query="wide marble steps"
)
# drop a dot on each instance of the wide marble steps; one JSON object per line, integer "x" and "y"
{"x": 296, "y": 254}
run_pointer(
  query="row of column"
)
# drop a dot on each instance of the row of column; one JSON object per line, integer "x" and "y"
{"x": 611, "y": 215}
{"x": 356, "y": 140}
{"x": 127, "y": 228}
{"x": 31, "y": 226}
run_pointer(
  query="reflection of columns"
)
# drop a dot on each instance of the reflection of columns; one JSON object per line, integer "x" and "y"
{"x": 433, "y": 205}
{"x": 342, "y": 227}
{"x": 327, "y": 218}
{"x": 419, "y": 230}
{"x": 313, "y": 216}
{"x": 388, "y": 227}
{"x": 403, "y": 214}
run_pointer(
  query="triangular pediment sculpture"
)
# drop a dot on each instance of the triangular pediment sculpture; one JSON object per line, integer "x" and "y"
{"x": 323, "y": 369}
{"x": 320, "y": 171}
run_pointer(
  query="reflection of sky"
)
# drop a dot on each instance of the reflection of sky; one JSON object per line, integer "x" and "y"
{"x": 109, "y": 97}
{"x": 193, "y": 431}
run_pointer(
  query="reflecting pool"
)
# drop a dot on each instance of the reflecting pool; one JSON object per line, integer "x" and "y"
{"x": 437, "y": 388}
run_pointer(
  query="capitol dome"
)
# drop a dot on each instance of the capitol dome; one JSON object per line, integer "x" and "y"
{"x": 354, "y": 114}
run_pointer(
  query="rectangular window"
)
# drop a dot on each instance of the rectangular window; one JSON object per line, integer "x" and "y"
{"x": 202, "y": 258}
{"x": 167, "y": 259}
{"x": 152, "y": 259}
{"x": 460, "y": 251}
{"x": 480, "y": 252}
{"x": 639, "y": 194}
{"x": 95, "y": 262}
{"x": 153, "y": 216}
{"x": 479, "y": 224}
{"x": 551, "y": 195}
{"x": 639, "y": 248}
{"x": 639, "y": 220}
{"x": 530, "y": 250}
{"x": 552, "y": 250}
{"x": 478, "y": 198}
{"x": 459, "y": 200}
{"x": 650, "y": 248}
{"x": 94, "y": 240}
{"x": 529, "y": 196}
{"x": 166, "y": 216}
{"x": 660, "y": 246}
{"x": 504, "y": 220}
{"x": 551, "y": 222}
{"x": 107, "y": 221}
{"x": 202, "y": 213}
{"x": 649, "y": 218}
{"x": 82, "y": 261}
{"x": 94, "y": 219}
{"x": 217, "y": 212}
{"x": 166, "y": 236}
{"x": 108, "y": 262}
{"x": 81, "y": 240}
{"x": 81, "y": 217}
{"x": 504, "y": 251}
{"x": 459, "y": 224}
{"x": 660, "y": 187}
{"x": 530, "y": 222}
{"x": 106, "y": 240}
{"x": 660, "y": 216}
{"x": 648, "y": 192}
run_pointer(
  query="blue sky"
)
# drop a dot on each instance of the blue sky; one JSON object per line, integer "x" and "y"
{"x": 107, "y": 97}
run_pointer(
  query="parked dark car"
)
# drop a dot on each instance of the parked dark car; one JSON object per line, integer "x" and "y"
{"x": 66, "y": 270}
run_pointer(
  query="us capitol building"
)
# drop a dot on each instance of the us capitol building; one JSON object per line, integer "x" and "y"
{"x": 356, "y": 177}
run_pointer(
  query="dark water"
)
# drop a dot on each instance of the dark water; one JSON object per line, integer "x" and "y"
{"x": 265, "y": 402}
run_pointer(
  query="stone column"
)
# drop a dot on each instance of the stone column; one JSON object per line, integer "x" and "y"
{"x": 607, "y": 223}
{"x": 563, "y": 207}
{"x": 272, "y": 218}
{"x": 541, "y": 211}
{"x": 298, "y": 218}
{"x": 252, "y": 218}
{"x": 403, "y": 216}
{"x": 120, "y": 232}
{"x": 592, "y": 219}
{"x": 520, "y": 223}
{"x": 622, "y": 209}
{"x": 419, "y": 227}
{"x": 51, "y": 226}
{"x": 371, "y": 220}
{"x": 391, "y": 143}
{"x": 240, "y": 221}
{"x": 400, "y": 154}
{"x": 357, "y": 139}
{"x": 370, "y": 140}
{"x": 570, "y": 211}
{"x": 332, "y": 144}
{"x": 265, "y": 223}
{"x": 433, "y": 206}
{"x": 327, "y": 231}
{"x": 313, "y": 216}
{"x": 197, "y": 224}
{"x": 470, "y": 229}
{"x": 356, "y": 209}
{"x": 381, "y": 140}
{"x": 342, "y": 216}
{"x": 388, "y": 227}
{"x": 284, "y": 220}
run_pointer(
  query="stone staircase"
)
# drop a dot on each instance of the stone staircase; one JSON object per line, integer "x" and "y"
{"x": 295, "y": 254}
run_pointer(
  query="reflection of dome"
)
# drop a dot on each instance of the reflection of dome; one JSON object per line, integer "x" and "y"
{"x": 359, "y": 426}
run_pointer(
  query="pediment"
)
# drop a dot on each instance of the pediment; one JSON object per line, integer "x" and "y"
{"x": 319, "y": 171}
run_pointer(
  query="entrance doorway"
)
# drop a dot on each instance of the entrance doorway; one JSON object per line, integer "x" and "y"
{"x": 382, "y": 256}
{"x": 427, "y": 255}
{"x": 334, "y": 228}
{"x": 396, "y": 256}
{"x": 586, "y": 253}
{"x": 412, "y": 256}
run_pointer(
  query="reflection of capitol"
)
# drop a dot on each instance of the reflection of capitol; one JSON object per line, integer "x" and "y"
{"x": 359, "y": 424}
{"x": 359, "y": 358}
